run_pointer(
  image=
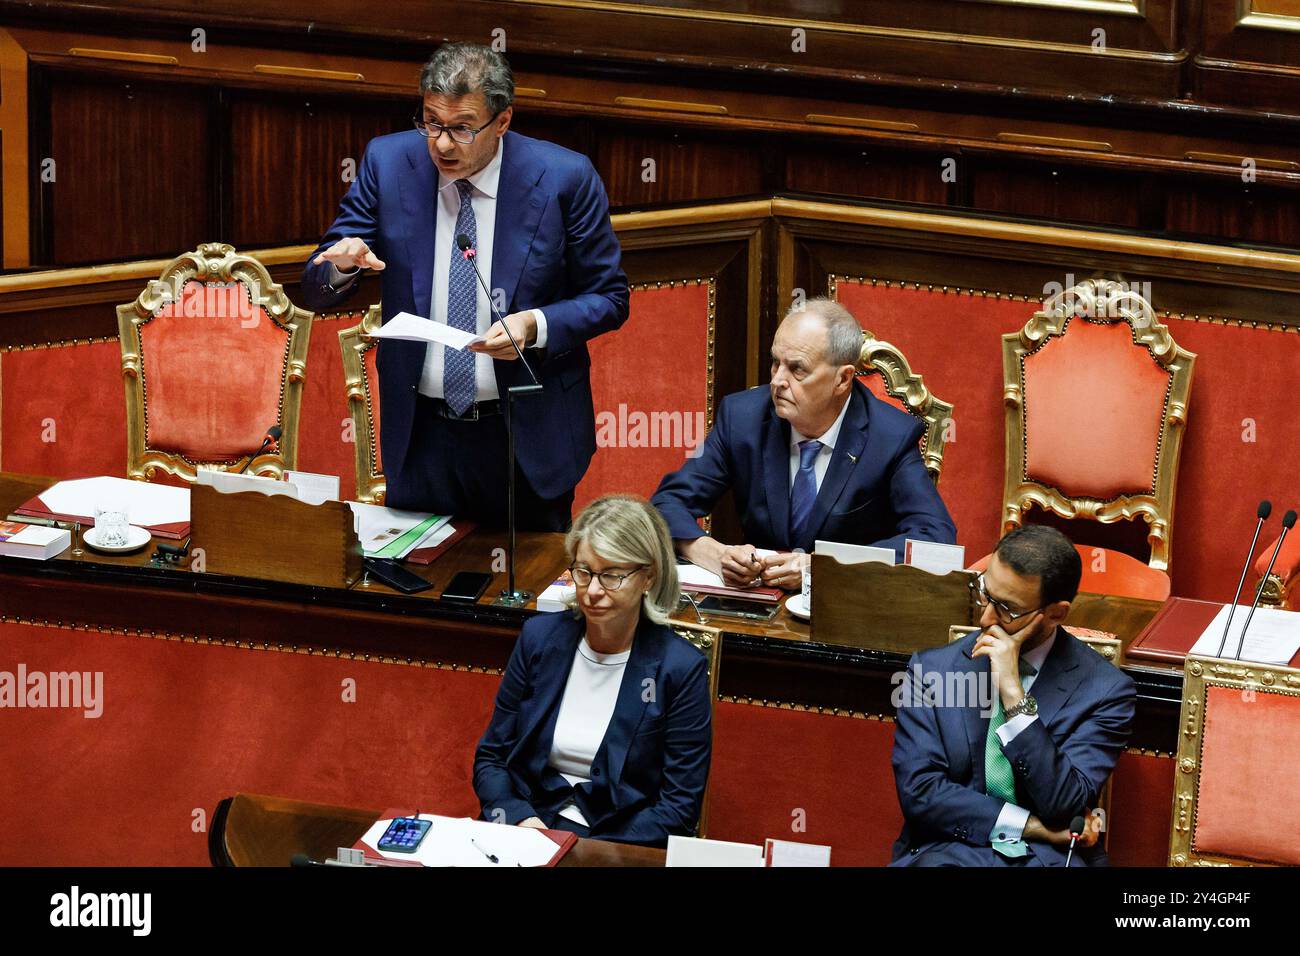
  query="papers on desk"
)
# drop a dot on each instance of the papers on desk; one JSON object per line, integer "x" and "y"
{"x": 232, "y": 482}
{"x": 465, "y": 842}
{"x": 688, "y": 851}
{"x": 934, "y": 557}
{"x": 390, "y": 533}
{"x": 554, "y": 598}
{"x": 692, "y": 577}
{"x": 854, "y": 553}
{"x": 19, "y": 540}
{"x": 412, "y": 328}
{"x": 1274, "y": 635}
{"x": 160, "y": 509}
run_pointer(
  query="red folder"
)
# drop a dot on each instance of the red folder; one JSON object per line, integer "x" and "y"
{"x": 429, "y": 555}
{"x": 758, "y": 595}
{"x": 36, "y": 508}
{"x": 563, "y": 839}
{"x": 1175, "y": 628}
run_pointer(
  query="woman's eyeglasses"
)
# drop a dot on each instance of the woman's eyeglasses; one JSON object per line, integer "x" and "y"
{"x": 609, "y": 580}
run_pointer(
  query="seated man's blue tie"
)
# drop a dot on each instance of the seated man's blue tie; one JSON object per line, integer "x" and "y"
{"x": 804, "y": 493}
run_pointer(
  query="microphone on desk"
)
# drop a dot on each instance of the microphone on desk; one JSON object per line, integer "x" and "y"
{"x": 466, "y": 247}
{"x": 1076, "y": 830}
{"x": 272, "y": 435}
{"x": 1264, "y": 510}
{"x": 1288, "y": 522}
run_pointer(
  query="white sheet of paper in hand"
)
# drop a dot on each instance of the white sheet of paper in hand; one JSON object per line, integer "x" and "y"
{"x": 1273, "y": 638}
{"x": 412, "y": 328}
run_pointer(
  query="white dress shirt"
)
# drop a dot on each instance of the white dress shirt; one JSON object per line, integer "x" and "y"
{"x": 823, "y": 459}
{"x": 1011, "y": 820}
{"x": 483, "y": 200}
{"x": 585, "y": 712}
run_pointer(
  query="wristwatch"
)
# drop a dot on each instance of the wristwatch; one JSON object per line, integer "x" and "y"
{"x": 1027, "y": 706}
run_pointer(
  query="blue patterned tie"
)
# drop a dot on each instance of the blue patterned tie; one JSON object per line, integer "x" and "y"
{"x": 462, "y": 309}
{"x": 804, "y": 493}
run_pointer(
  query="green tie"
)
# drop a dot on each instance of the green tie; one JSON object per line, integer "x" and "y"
{"x": 999, "y": 780}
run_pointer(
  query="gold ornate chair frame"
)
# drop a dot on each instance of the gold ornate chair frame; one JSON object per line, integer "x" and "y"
{"x": 1275, "y": 592}
{"x": 1199, "y": 673}
{"x": 355, "y": 343}
{"x": 1116, "y": 303}
{"x": 909, "y": 388}
{"x": 211, "y": 262}
{"x": 708, "y": 640}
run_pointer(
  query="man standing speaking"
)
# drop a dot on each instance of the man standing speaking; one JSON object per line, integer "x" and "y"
{"x": 537, "y": 217}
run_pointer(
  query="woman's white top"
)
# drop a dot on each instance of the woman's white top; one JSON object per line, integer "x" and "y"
{"x": 585, "y": 711}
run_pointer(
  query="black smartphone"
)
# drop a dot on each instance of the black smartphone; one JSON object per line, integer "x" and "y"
{"x": 404, "y": 835}
{"x": 734, "y": 607}
{"x": 396, "y": 576}
{"x": 467, "y": 586}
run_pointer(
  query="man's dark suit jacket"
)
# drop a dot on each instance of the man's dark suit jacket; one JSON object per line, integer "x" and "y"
{"x": 876, "y": 490}
{"x": 553, "y": 249}
{"x": 1061, "y": 761}
{"x": 648, "y": 777}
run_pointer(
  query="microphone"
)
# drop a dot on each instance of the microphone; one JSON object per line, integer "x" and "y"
{"x": 1076, "y": 831}
{"x": 272, "y": 435}
{"x": 1264, "y": 510}
{"x": 467, "y": 249}
{"x": 1288, "y": 522}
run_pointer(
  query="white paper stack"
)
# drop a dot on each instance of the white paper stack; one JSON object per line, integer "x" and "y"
{"x": 554, "y": 597}
{"x": 1273, "y": 638}
{"x": 146, "y": 504}
{"x": 18, "y": 540}
{"x": 455, "y": 841}
{"x": 390, "y": 533}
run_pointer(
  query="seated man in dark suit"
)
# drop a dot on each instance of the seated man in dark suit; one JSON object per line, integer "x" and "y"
{"x": 812, "y": 455}
{"x": 1006, "y": 735}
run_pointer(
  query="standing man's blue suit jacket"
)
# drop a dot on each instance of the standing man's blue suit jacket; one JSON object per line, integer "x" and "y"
{"x": 876, "y": 489}
{"x": 649, "y": 774}
{"x": 554, "y": 249}
{"x": 1060, "y": 761}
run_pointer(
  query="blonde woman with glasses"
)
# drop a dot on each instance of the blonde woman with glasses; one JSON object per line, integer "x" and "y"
{"x": 602, "y": 724}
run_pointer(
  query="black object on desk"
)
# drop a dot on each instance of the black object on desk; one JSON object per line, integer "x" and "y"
{"x": 396, "y": 576}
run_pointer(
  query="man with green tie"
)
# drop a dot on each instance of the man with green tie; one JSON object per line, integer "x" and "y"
{"x": 996, "y": 780}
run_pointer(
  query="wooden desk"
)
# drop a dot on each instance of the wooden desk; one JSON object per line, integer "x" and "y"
{"x": 253, "y": 830}
{"x": 779, "y": 661}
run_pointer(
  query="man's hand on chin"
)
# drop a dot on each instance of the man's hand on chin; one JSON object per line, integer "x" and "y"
{"x": 1003, "y": 651}
{"x": 523, "y": 325}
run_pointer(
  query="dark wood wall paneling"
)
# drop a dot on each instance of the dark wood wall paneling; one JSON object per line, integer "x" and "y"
{"x": 256, "y": 160}
{"x": 133, "y": 169}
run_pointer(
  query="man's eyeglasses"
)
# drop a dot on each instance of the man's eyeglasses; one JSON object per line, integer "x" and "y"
{"x": 980, "y": 595}
{"x": 609, "y": 580}
{"x": 459, "y": 134}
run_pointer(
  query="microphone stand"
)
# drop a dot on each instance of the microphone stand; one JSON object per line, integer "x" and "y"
{"x": 1288, "y": 522}
{"x": 511, "y": 596}
{"x": 1262, "y": 514}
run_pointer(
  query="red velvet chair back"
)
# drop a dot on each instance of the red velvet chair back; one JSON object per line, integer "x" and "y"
{"x": 213, "y": 355}
{"x": 1096, "y": 403}
{"x": 1238, "y": 761}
